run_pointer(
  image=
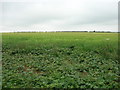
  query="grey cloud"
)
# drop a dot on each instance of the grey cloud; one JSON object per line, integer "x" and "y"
{"x": 64, "y": 14}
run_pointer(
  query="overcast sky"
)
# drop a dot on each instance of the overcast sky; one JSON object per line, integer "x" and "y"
{"x": 54, "y": 15}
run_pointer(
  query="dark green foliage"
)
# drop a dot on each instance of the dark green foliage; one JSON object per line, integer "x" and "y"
{"x": 60, "y": 60}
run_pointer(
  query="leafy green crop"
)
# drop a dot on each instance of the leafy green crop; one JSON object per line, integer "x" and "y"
{"x": 60, "y": 59}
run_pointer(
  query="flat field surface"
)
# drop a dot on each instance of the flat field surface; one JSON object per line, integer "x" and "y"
{"x": 60, "y": 59}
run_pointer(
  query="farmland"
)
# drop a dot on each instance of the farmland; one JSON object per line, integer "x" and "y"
{"x": 60, "y": 59}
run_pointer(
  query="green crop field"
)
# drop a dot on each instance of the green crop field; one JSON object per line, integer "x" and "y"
{"x": 60, "y": 60}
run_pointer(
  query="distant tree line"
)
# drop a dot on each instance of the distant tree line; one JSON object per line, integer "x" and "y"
{"x": 64, "y": 31}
